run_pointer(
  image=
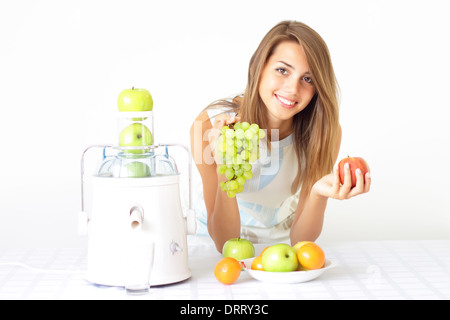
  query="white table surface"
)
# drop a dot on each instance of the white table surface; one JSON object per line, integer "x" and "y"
{"x": 365, "y": 270}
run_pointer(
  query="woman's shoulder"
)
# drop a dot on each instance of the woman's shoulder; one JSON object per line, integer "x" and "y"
{"x": 217, "y": 109}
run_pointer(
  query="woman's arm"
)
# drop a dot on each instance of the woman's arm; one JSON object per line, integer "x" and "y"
{"x": 310, "y": 212}
{"x": 309, "y": 216}
{"x": 223, "y": 219}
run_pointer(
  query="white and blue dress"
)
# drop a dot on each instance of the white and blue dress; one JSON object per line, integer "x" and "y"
{"x": 266, "y": 205}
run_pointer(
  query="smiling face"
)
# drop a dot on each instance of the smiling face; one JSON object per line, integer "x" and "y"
{"x": 285, "y": 86}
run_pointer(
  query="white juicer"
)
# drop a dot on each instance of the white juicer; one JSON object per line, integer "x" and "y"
{"x": 137, "y": 227}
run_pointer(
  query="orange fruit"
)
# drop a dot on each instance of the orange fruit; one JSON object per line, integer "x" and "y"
{"x": 264, "y": 250}
{"x": 311, "y": 256}
{"x": 257, "y": 263}
{"x": 299, "y": 244}
{"x": 227, "y": 270}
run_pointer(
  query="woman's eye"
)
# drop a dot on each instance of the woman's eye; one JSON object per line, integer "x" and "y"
{"x": 307, "y": 79}
{"x": 282, "y": 70}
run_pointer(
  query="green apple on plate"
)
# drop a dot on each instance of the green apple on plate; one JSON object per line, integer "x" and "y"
{"x": 135, "y": 135}
{"x": 134, "y": 100}
{"x": 238, "y": 248}
{"x": 279, "y": 258}
{"x": 136, "y": 169}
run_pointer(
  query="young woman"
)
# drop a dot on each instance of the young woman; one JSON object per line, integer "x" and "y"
{"x": 292, "y": 93}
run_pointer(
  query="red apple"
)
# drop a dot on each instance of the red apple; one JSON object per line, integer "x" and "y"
{"x": 354, "y": 163}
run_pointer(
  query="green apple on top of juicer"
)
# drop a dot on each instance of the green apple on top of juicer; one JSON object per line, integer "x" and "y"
{"x": 135, "y": 100}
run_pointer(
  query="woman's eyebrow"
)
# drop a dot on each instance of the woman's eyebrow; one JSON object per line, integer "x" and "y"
{"x": 287, "y": 64}
{"x": 306, "y": 73}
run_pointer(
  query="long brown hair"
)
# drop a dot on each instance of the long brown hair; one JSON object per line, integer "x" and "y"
{"x": 316, "y": 127}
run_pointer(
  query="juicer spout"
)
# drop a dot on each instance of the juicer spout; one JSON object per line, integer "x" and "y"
{"x": 136, "y": 217}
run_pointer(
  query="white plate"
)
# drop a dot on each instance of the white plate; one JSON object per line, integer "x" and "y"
{"x": 286, "y": 277}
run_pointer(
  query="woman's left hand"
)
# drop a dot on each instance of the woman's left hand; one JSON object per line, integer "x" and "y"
{"x": 330, "y": 185}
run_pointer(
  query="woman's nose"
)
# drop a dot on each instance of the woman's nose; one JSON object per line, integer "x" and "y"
{"x": 292, "y": 86}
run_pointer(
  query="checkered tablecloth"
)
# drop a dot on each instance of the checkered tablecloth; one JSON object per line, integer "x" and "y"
{"x": 365, "y": 270}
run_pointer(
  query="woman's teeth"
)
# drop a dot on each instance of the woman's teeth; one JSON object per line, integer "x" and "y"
{"x": 285, "y": 101}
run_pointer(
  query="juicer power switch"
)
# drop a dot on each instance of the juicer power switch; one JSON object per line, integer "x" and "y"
{"x": 175, "y": 247}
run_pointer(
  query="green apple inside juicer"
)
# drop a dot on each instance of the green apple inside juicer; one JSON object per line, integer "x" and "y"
{"x": 135, "y": 220}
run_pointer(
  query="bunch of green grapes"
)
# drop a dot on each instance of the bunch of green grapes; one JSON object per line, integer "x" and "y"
{"x": 238, "y": 148}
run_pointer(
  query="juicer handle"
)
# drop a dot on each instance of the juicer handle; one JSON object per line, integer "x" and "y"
{"x": 189, "y": 214}
{"x": 83, "y": 215}
{"x": 83, "y": 221}
{"x": 189, "y": 167}
{"x": 191, "y": 221}
{"x": 82, "y": 168}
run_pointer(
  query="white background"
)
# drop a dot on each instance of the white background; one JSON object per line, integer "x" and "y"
{"x": 63, "y": 64}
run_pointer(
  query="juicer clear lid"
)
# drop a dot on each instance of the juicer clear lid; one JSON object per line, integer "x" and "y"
{"x": 137, "y": 164}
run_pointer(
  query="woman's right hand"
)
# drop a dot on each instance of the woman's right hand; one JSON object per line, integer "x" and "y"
{"x": 215, "y": 132}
